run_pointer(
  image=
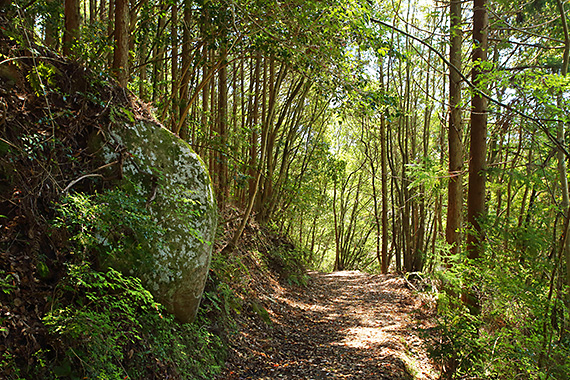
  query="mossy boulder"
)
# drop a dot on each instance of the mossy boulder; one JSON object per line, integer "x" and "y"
{"x": 156, "y": 164}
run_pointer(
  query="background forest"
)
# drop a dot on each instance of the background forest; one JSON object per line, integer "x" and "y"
{"x": 427, "y": 138}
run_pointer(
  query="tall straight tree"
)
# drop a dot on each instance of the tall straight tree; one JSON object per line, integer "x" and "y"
{"x": 121, "y": 50}
{"x": 51, "y": 37}
{"x": 384, "y": 262}
{"x": 72, "y": 24}
{"x": 478, "y": 135}
{"x": 562, "y": 170}
{"x": 455, "y": 146}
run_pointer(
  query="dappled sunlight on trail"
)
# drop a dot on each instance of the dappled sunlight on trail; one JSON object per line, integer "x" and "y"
{"x": 343, "y": 325}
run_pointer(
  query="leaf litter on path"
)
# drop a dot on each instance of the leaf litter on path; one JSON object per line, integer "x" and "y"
{"x": 342, "y": 325}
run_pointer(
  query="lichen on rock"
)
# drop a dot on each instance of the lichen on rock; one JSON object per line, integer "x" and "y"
{"x": 165, "y": 170}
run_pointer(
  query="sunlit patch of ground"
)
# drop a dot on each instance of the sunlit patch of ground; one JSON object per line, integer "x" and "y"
{"x": 343, "y": 325}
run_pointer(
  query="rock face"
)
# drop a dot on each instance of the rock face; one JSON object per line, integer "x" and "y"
{"x": 171, "y": 176}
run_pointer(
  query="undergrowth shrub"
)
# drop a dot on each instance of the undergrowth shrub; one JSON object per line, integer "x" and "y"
{"x": 106, "y": 325}
{"x": 459, "y": 348}
{"x": 520, "y": 329}
{"x": 287, "y": 261}
{"x": 113, "y": 225}
{"x": 110, "y": 327}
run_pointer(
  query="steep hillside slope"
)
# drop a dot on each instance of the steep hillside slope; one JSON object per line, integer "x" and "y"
{"x": 63, "y": 313}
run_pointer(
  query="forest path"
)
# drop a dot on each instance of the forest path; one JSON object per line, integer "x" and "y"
{"x": 343, "y": 325}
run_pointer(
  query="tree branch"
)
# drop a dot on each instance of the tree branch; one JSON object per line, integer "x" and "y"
{"x": 538, "y": 121}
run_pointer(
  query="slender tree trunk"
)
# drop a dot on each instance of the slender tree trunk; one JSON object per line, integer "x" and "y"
{"x": 206, "y": 117}
{"x": 72, "y": 24}
{"x": 132, "y": 23}
{"x": 223, "y": 131}
{"x": 237, "y": 235}
{"x": 111, "y": 29}
{"x": 384, "y": 180}
{"x": 92, "y": 11}
{"x": 213, "y": 132}
{"x": 455, "y": 146}
{"x": 338, "y": 242}
{"x": 254, "y": 115}
{"x": 51, "y": 38}
{"x": 143, "y": 50}
{"x": 477, "y": 146}
{"x": 175, "y": 102}
{"x": 372, "y": 158}
{"x": 235, "y": 133}
{"x": 560, "y": 137}
{"x": 158, "y": 55}
{"x": 186, "y": 56}
{"x": 121, "y": 50}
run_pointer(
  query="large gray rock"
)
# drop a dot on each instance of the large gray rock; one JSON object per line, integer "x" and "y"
{"x": 165, "y": 170}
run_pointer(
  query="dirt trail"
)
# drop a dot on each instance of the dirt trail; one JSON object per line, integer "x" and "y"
{"x": 343, "y": 325}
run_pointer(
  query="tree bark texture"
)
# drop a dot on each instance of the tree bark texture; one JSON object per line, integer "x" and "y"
{"x": 562, "y": 170}
{"x": 72, "y": 24}
{"x": 478, "y": 135}
{"x": 455, "y": 146}
{"x": 121, "y": 50}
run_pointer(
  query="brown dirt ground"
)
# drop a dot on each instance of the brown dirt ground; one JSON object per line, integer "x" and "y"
{"x": 342, "y": 325}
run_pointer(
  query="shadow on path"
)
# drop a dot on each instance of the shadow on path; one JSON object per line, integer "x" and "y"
{"x": 343, "y": 325}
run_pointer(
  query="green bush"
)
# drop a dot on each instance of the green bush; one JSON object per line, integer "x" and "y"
{"x": 460, "y": 349}
{"x": 110, "y": 327}
{"x": 106, "y": 325}
{"x": 115, "y": 226}
{"x": 288, "y": 263}
{"x": 519, "y": 329}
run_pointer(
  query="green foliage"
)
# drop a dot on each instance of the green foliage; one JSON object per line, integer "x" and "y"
{"x": 288, "y": 262}
{"x": 221, "y": 300}
{"x": 95, "y": 45}
{"x": 520, "y": 331}
{"x": 106, "y": 325}
{"x": 42, "y": 78}
{"x": 461, "y": 348}
{"x": 119, "y": 113}
{"x": 6, "y": 282}
{"x": 102, "y": 320}
{"x": 111, "y": 328}
{"x": 114, "y": 223}
{"x": 8, "y": 365}
{"x": 426, "y": 174}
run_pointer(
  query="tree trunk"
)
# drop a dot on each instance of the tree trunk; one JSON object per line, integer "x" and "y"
{"x": 372, "y": 158}
{"x": 384, "y": 180}
{"x": 337, "y": 264}
{"x": 174, "y": 101}
{"x": 143, "y": 50}
{"x": 121, "y": 50}
{"x": 223, "y": 186}
{"x": 92, "y": 11}
{"x": 560, "y": 137}
{"x": 72, "y": 24}
{"x": 478, "y": 144}
{"x": 455, "y": 146}
{"x": 205, "y": 118}
{"x": 111, "y": 29}
{"x": 51, "y": 37}
{"x": 253, "y": 120}
{"x": 186, "y": 47}
{"x": 158, "y": 55}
